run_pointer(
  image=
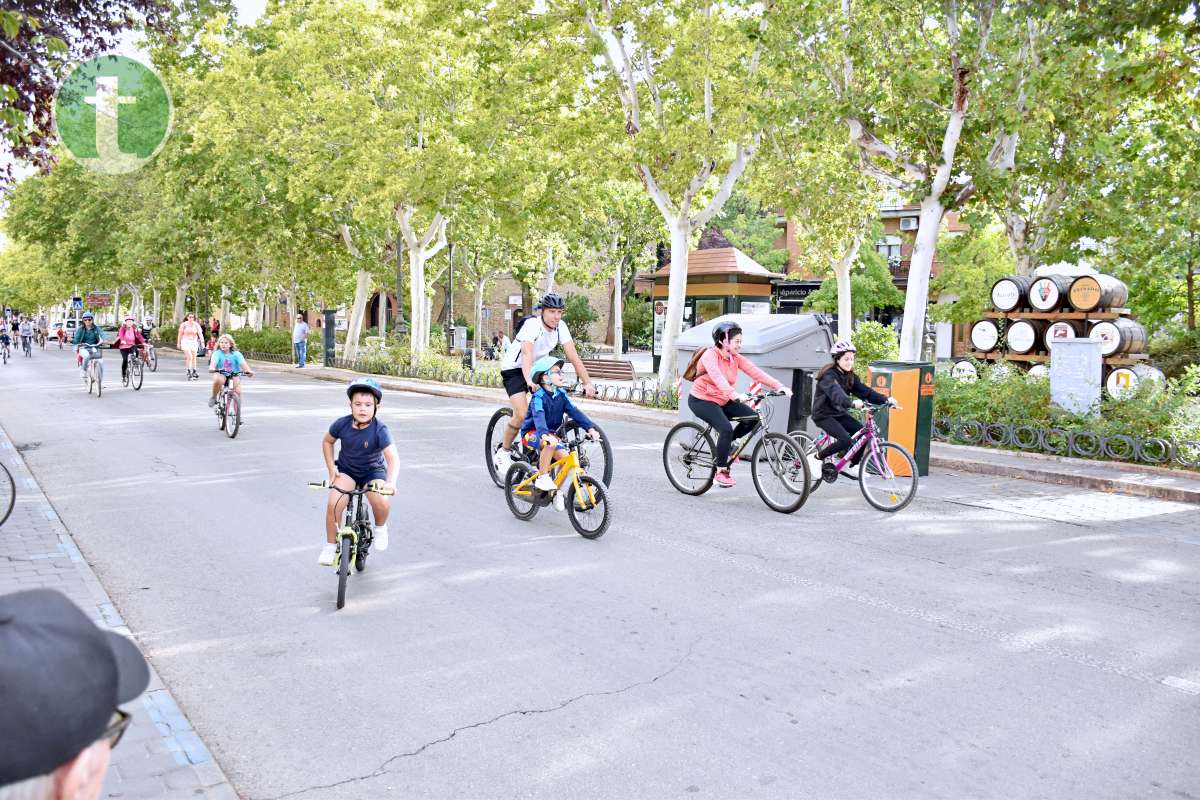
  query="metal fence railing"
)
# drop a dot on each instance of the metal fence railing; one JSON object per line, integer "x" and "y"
{"x": 1062, "y": 442}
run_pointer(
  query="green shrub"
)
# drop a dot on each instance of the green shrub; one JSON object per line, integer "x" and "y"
{"x": 167, "y": 335}
{"x": 1176, "y": 351}
{"x": 578, "y": 315}
{"x": 275, "y": 341}
{"x": 874, "y": 341}
{"x": 638, "y": 318}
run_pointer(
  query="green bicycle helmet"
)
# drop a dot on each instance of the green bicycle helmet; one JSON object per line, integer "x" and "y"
{"x": 365, "y": 384}
{"x": 542, "y": 366}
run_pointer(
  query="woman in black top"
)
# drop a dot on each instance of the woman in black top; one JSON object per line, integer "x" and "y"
{"x": 836, "y": 382}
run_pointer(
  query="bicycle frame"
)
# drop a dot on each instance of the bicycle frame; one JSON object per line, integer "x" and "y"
{"x": 759, "y": 426}
{"x": 866, "y": 437}
{"x": 559, "y": 471}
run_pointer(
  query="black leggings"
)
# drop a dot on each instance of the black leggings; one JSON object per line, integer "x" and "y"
{"x": 842, "y": 428}
{"x": 125, "y": 353}
{"x": 718, "y": 417}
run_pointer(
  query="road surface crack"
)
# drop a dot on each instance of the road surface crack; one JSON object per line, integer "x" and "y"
{"x": 519, "y": 712}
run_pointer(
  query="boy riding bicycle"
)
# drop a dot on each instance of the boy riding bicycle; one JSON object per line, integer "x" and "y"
{"x": 547, "y": 409}
{"x": 367, "y": 456}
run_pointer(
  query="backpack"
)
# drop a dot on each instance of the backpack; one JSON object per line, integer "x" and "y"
{"x": 693, "y": 368}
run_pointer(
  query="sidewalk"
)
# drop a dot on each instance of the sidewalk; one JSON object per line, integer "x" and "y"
{"x": 160, "y": 756}
{"x": 1108, "y": 476}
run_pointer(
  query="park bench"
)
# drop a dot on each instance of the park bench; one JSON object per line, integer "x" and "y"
{"x": 609, "y": 369}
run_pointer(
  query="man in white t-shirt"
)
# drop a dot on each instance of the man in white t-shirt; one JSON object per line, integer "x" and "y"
{"x": 300, "y": 339}
{"x": 538, "y": 336}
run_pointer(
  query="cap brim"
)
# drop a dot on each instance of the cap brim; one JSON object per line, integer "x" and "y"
{"x": 133, "y": 673}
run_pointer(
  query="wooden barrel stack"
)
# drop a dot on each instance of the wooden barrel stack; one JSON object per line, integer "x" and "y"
{"x": 1030, "y": 312}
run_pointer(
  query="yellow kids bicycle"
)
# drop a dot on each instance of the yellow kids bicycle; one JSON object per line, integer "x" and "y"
{"x": 586, "y": 498}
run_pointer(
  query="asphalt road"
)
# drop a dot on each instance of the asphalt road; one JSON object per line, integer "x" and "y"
{"x": 996, "y": 639}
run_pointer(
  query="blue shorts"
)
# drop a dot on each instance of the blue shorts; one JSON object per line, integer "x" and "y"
{"x": 363, "y": 478}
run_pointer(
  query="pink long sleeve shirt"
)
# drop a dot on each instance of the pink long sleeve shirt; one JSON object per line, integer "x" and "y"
{"x": 717, "y": 375}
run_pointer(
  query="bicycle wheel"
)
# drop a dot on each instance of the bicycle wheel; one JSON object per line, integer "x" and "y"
{"x": 8, "y": 493}
{"x": 595, "y": 457}
{"x": 689, "y": 458}
{"x": 588, "y": 509}
{"x": 525, "y": 505}
{"x": 888, "y": 477}
{"x": 345, "y": 554}
{"x": 135, "y": 373}
{"x": 233, "y": 415}
{"x": 99, "y": 372}
{"x": 220, "y": 412}
{"x": 808, "y": 446}
{"x": 493, "y": 438}
{"x": 780, "y": 472}
{"x": 153, "y": 360}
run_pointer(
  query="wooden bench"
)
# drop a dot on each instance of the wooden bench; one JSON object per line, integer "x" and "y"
{"x": 609, "y": 369}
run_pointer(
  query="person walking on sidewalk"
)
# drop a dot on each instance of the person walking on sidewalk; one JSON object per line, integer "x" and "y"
{"x": 188, "y": 340}
{"x": 61, "y": 682}
{"x": 300, "y": 338}
{"x": 713, "y": 398}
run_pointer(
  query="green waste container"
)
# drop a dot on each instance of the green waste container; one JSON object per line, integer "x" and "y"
{"x": 910, "y": 426}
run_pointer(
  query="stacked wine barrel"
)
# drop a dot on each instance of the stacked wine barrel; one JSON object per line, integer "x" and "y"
{"x": 1033, "y": 311}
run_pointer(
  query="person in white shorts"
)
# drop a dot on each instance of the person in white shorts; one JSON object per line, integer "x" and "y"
{"x": 538, "y": 336}
{"x": 188, "y": 340}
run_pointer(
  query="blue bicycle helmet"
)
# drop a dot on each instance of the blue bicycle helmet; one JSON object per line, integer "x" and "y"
{"x": 542, "y": 366}
{"x": 88, "y": 315}
{"x": 365, "y": 384}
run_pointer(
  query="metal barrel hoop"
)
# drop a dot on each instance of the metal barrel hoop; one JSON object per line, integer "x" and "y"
{"x": 1027, "y": 437}
{"x": 1084, "y": 444}
{"x": 1153, "y": 450}
{"x": 1187, "y": 453}
{"x": 1054, "y": 440}
{"x": 968, "y": 431}
{"x": 998, "y": 433}
{"x": 1119, "y": 447}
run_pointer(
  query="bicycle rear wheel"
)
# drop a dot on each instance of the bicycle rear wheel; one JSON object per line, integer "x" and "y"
{"x": 493, "y": 439}
{"x": 588, "y": 508}
{"x": 233, "y": 415}
{"x": 595, "y": 457}
{"x": 888, "y": 477}
{"x": 526, "y": 504}
{"x": 99, "y": 373}
{"x": 689, "y": 458}
{"x": 154, "y": 360}
{"x": 780, "y": 472}
{"x": 8, "y": 493}
{"x": 345, "y": 555}
{"x": 135, "y": 373}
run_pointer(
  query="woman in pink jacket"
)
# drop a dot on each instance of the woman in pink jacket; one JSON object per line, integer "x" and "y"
{"x": 129, "y": 339}
{"x": 713, "y": 398}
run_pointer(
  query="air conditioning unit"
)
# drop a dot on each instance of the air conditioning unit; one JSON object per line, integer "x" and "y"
{"x": 908, "y": 223}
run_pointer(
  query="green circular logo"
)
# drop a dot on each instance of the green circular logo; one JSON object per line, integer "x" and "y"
{"x": 113, "y": 114}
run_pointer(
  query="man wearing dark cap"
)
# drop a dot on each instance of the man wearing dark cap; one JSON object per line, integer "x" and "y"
{"x": 61, "y": 682}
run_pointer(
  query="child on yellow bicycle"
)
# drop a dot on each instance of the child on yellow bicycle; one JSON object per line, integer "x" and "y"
{"x": 547, "y": 409}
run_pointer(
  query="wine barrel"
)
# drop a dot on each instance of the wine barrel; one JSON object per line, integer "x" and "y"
{"x": 965, "y": 371}
{"x": 1119, "y": 336}
{"x": 1092, "y": 292}
{"x": 1063, "y": 329}
{"x": 1010, "y": 292}
{"x": 1039, "y": 371}
{"x": 1049, "y": 292}
{"x": 985, "y": 335}
{"x": 1025, "y": 335}
{"x": 1145, "y": 372}
{"x": 1121, "y": 381}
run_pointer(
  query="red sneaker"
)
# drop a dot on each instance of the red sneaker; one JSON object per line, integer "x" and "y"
{"x": 724, "y": 479}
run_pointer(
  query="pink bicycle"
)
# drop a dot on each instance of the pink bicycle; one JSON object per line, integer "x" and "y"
{"x": 887, "y": 473}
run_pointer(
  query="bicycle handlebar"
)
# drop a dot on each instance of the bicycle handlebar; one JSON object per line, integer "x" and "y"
{"x": 368, "y": 488}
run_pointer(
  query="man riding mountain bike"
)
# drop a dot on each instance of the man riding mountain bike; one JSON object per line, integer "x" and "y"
{"x": 538, "y": 336}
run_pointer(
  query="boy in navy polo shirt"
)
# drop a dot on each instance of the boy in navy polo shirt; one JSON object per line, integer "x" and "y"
{"x": 367, "y": 455}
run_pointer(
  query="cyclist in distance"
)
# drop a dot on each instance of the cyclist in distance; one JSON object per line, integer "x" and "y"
{"x": 538, "y": 336}
{"x": 713, "y": 398}
{"x": 129, "y": 339}
{"x": 368, "y": 455}
{"x": 226, "y": 357}
{"x": 836, "y": 381}
{"x": 26, "y": 330}
{"x": 86, "y": 333}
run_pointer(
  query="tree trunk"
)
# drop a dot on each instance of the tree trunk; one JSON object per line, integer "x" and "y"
{"x": 480, "y": 334}
{"x": 399, "y": 277}
{"x": 157, "y": 307}
{"x": 292, "y": 305}
{"x": 358, "y": 313}
{"x": 260, "y": 311}
{"x": 912, "y": 333}
{"x": 179, "y": 309}
{"x": 116, "y": 309}
{"x": 681, "y": 230}
{"x": 551, "y": 269}
{"x": 419, "y": 252}
{"x": 618, "y": 307}
{"x": 1191, "y": 297}
{"x": 224, "y": 308}
{"x": 383, "y": 312}
{"x": 845, "y": 304}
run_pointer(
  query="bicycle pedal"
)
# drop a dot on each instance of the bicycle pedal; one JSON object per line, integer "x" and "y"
{"x": 829, "y": 472}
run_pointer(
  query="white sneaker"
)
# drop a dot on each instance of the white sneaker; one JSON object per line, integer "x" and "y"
{"x": 545, "y": 483}
{"x": 379, "y": 537}
{"x": 814, "y": 468}
{"x": 328, "y": 555}
{"x": 502, "y": 459}
{"x": 560, "y": 502}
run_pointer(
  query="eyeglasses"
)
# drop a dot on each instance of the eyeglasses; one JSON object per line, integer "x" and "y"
{"x": 555, "y": 371}
{"x": 116, "y": 729}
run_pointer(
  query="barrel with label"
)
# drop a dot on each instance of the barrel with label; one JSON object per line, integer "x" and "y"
{"x": 1011, "y": 292}
{"x": 1049, "y": 293}
{"x": 1092, "y": 292}
{"x": 965, "y": 370}
{"x": 1119, "y": 336}
{"x": 1025, "y": 335}
{"x": 1122, "y": 381}
{"x": 1039, "y": 371}
{"x": 985, "y": 335}
{"x": 1064, "y": 329}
